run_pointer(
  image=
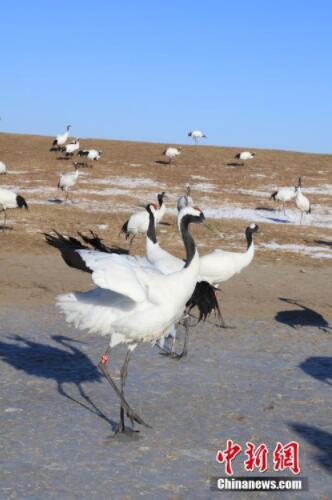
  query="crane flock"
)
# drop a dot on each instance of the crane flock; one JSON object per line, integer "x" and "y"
{"x": 139, "y": 299}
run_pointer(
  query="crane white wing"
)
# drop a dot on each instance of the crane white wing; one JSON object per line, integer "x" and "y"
{"x": 123, "y": 274}
{"x": 7, "y": 198}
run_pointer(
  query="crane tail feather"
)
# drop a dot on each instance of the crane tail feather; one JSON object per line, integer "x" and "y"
{"x": 204, "y": 297}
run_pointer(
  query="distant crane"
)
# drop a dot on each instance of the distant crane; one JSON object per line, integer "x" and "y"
{"x": 3, "y": 168}
{"x": 60, "y": 140}
{"x": 71, "y": 148}
{"x": 171, "y": 153}
{"x": 196, "y": 135}
{"x": 284, "y": 195}
{"x": 185, "y": 200}
{"x": 9, "y": 200}
{"x": 67, "y": 181}
{"x": 301, "y": 201}
{"x": 90, "y": 154}
{"x": 244, "y": 156}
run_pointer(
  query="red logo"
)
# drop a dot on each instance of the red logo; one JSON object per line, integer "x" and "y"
{"x": 228, "y": 456}
{"x": 284, "y": 457}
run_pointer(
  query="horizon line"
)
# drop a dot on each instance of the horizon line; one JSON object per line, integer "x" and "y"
{"x": 143, "y": 141}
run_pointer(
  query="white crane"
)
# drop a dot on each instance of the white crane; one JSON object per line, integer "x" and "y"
{"x": 90, "y": 154}
{"x": 244, "y": 156}
{"x": 185, "y": 200}
{"x": 171, "y": 153}
{"x": 138, "y": 222}
{"x": 68, "y": 180}
{"x": 301, "y": 201}
{"x": 60, "y": 140}
{"x": 9, "y": 200}
{"x": 204, "y": 294}
{"x": 71, "y": 148}
{"x": 219, "y": 265}
{"x": 3, "y": 168}
{"x": 196, "y": 135}
{"x": 131, "y": 304}
{"x": 283, "y": 195}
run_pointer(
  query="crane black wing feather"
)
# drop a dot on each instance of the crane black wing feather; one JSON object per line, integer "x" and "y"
{"x": 97, "y": 243}
{"x": 67, "y": 247}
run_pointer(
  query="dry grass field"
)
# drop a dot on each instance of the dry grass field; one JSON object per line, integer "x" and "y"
{"x": 291, "y": 259}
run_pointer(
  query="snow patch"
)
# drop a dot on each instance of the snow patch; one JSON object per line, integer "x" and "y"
{"x": 205, "y": 187}
{"x": 313, "y": 251}
{"x": 321, "y": 216}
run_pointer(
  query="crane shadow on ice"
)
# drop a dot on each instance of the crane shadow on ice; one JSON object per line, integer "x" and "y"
{"x": 55, "y": 201}
{"x": 234, "y": 164}
{"x": 162, "y": 162}
{"x": 318, "y": 367}
{"x": 301, "y": 316}
{"x": 273, "y": 219}
{"x": 323, "y": 242}
{"x": 322, "y": 440}
{"x": 65, "y": 365}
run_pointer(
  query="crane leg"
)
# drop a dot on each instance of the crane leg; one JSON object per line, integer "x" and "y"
{"x": 123, "y": 376}
{"x": 133, "y": 417}
{"x": 184, "y": 351}
{"x": 4, "y": 220}
{"x": 131, "y": 241}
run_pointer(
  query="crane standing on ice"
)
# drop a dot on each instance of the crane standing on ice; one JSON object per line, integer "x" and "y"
{"x": 284, "y": 195}
{"x": 301, "y": 201}
{"x": 66, "y": 181}
{"x": 130, "y": 304}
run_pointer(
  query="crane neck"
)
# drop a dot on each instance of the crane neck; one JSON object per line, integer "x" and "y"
{"x": 160, "y": 200}
{"x": 188, "y": 240}
{"x": 250, "y": 240}
{"x": 151, "y": 232}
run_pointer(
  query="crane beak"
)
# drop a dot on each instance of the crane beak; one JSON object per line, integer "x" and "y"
{"x": 213, "y": 230}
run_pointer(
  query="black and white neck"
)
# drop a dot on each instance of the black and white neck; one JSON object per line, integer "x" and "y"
{"x": 250, "y": 230}
{"x": 190, "y": 216}
{"x": 160, "y": 198}
{"x": 151, "y": 232}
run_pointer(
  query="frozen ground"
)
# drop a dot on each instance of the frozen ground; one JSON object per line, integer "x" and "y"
{"x": 263, "y": 381}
